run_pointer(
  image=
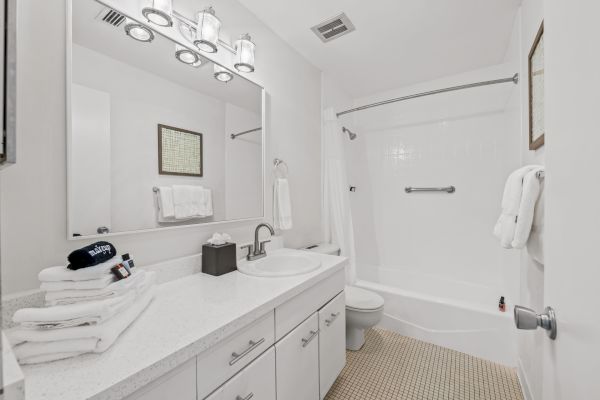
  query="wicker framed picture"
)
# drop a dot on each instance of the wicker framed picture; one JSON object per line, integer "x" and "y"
{"x": 179, "y": 151}
{"x": 537, "y": 128}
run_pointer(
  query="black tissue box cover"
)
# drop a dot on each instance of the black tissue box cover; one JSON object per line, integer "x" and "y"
{"x": 218, "y": 259}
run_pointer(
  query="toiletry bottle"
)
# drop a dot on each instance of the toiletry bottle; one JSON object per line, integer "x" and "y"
{"x": 502, "y": 305}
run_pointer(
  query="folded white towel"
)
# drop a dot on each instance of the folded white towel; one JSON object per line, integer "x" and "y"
{"x": 115, "y": 289}
{"x": 282, "y": 204}
{"x": 183, "y": 201}
{"x": 41, "y": 345}
{"x": 62, "y": 273}
{"x": 82, "y": 313}
{"x": 50, "y": 357}
{"x": 165, "y": 203}
{"x": 98, "y": 283}
{"x": 511, "y": 200}
{"x": 529, "y": 198}
{"x": 203, "y": 199}
{"x": 32, "y": 350}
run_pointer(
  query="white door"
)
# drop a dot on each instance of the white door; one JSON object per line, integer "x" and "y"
{"x": 297, "y": 362}
{"x": 572, "y": 242}
{"x": 332, "y": 342}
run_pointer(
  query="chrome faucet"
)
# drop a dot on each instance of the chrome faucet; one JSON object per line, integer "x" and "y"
{"x": 257, "y": 250}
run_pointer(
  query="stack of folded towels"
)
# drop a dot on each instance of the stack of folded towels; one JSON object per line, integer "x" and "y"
{"x": 183, "y": 202}
{"x": 89, "y": 303}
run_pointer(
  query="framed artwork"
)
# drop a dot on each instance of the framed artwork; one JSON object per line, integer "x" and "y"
{"x": 179, "y": 151}
{"x": 536, "y": 92}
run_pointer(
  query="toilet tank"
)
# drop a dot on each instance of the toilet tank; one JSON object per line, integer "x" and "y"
{"x": 325, "y": 248}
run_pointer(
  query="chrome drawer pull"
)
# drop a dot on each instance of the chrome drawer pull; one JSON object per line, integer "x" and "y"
{"x": 332, "y": 319}
{"x": 309, "y": 339}
{"x": 251, "y": 395}
{"x": 237, "y": 357}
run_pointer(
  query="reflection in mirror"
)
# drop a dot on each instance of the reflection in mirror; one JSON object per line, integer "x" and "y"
{"x": 155, "y": 139}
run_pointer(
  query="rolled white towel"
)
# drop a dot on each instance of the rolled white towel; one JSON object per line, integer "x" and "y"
{"x": 44, "y": 345}
{"x": 115, "y": 289}
{"x": 62, "y": 273}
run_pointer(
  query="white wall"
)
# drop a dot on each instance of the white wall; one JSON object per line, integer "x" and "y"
{"x": 531, "y": 292}
{"x": 139, "y": 102}
{"x": 91, "y": 164}
{"x": 465, "y": 139}
{"x": 33, "y": 196}
{"x": 243, "y": 164}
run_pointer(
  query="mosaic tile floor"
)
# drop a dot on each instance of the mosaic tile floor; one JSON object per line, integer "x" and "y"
{"x": 394, "y": 367}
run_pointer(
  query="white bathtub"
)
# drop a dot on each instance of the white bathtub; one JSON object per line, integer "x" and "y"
{"x": 449, "y": 313}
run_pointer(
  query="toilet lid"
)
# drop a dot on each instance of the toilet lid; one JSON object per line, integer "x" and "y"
{"x": 361, "y": 299}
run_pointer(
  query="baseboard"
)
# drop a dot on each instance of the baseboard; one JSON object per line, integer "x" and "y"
{"x": 525, "y": 388}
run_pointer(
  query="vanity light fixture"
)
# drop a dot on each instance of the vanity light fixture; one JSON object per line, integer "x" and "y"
{"x": 137, "y": 31}
{"x": 159, "y": 12}
{"x": 222, "y": 74}
{"x": 186, "y": 55}
{"x": 244, "y": 57}
{"x": 207, "y": 31}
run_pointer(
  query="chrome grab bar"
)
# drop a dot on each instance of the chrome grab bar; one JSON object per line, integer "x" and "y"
{"x": 447, "y": 189}
{"x": 333, "y": 318}
{"x": 306, "y": 341}
{"x": 251, "y": 395}
{"x": 252, "y": 345}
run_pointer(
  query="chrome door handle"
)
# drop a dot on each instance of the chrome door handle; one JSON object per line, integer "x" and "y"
{"x": 251, "y": 395}
{"x": 252, "y": 345}
{"x": 332, "y": 319}
{"x": 306, "y": 341}
{"x": 526, "y": 318}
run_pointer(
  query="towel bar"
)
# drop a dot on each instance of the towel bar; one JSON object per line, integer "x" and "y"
{"x": 447, "y": 189}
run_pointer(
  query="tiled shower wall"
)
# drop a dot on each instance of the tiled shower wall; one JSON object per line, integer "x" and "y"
{"x": 466, "y": 139}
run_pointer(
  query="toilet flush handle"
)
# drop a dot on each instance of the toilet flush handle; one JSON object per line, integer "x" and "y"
{"x": 526, "y": 318}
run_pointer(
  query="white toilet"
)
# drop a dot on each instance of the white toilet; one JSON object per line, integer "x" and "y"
{"x": 364, "y": 308}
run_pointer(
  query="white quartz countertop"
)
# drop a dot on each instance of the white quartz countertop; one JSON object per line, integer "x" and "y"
{"x": 188, "y": 316}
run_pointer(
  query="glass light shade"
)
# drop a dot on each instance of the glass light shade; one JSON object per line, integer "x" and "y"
{"x": 185, "y": 55}
{"x": 207, "y": 31}
{"x": 197, "y": 63}
{"x": 137, "y": 31}
{"x": 159, "y": 12}
{"x": 222, "y": 74}
{"x": 244, "y": 57}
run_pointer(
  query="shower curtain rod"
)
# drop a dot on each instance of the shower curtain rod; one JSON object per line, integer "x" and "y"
{"x": 514, "y": 79}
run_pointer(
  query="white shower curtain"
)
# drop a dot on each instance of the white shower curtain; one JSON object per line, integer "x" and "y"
{"x": 337, "y": 218}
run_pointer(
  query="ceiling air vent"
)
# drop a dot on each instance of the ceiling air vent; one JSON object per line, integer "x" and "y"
{"x": 111, "y": 17}
{"x": 333, "y": 28}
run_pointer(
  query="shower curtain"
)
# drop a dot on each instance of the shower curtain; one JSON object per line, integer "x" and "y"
{"x": 337, "y": 218}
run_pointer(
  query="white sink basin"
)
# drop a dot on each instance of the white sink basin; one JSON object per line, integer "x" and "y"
{"x": 281, "y": 263}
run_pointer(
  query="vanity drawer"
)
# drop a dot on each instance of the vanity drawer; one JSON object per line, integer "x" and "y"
{"x": 256, "y": 381}
{"x": 225, "y": 359}
{"x": 290, "y": 314}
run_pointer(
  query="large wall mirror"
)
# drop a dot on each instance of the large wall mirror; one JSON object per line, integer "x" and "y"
{"x": 155, "y": 142}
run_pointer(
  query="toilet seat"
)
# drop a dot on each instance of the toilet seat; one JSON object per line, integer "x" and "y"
{"x": 362, "y": 300}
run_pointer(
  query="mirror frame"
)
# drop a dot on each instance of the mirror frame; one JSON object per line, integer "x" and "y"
{"x": 69, "y": 132}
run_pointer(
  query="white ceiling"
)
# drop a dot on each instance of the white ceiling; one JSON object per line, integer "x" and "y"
{"x": 396, "y": 42}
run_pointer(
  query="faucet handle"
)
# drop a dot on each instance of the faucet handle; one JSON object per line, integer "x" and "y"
{"x": 262, "y": 245}
{"x": 250, "y": 248}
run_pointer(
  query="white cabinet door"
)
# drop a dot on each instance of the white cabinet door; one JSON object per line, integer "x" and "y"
{"x": 178, "y": 384}
{"x": 297, "y": 362}
{"x": 256, "y": 381}
{"x": 332, "y": 342}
